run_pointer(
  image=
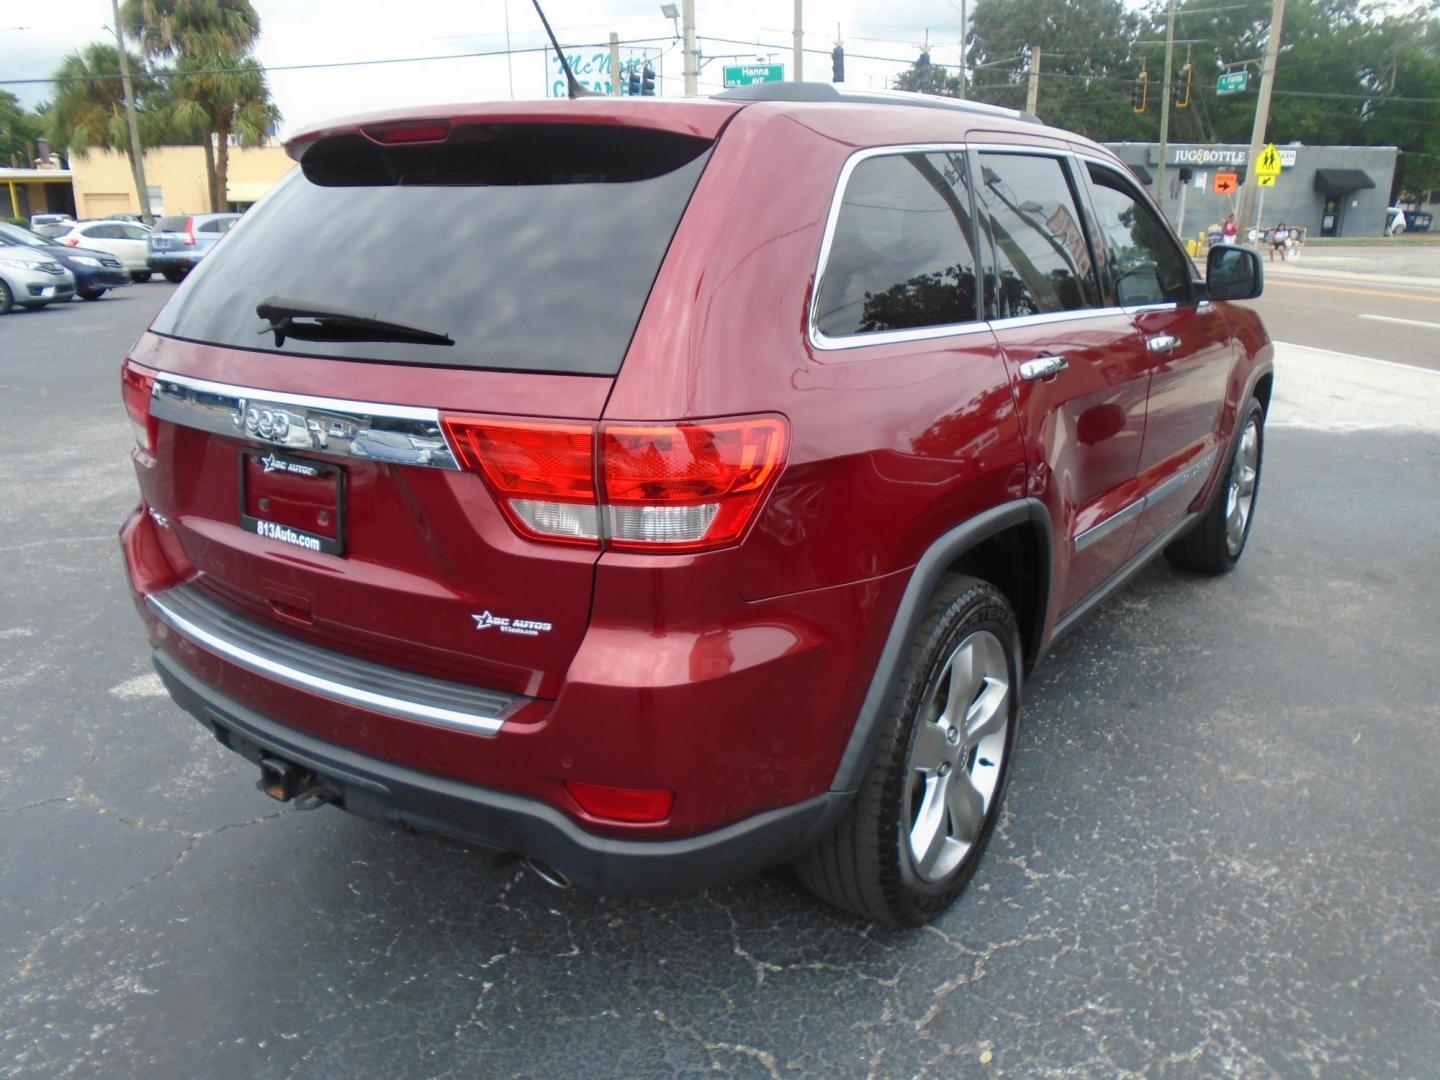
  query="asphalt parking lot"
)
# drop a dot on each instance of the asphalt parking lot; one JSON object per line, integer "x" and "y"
{"x": 1218, "y": 858}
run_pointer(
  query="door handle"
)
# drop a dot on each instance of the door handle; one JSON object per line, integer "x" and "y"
{"x": 1162, "y": 343}
{"x": 1042, "y": 367}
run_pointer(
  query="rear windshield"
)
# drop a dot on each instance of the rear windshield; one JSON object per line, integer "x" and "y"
{"x": 172, "y": 223}
{"x": 511, "y": 247}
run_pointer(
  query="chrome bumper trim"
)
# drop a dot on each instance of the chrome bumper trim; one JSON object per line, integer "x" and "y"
{"x": 345, "y": 679}
{"x": 330, "y": 427}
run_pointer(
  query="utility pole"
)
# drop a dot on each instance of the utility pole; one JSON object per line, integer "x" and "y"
{"x": 1262, "y": 117}
{"x": 1032, "y": 95}
{"x": 962, "y": 51}
{"x": 692, "y": 54}
{"x": 614, "y": 63}
{"x": 137, "y": 153}
{"x": 799, "y": 75}
{"x": 1165, "y": 110}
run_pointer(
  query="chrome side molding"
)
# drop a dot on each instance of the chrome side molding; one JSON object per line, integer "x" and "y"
{"x": 330, "y": 427}
{"x": 1163, "y": 490}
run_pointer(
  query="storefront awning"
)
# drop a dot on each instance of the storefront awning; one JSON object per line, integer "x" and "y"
{"x": 1342, "y": 181}
{"x": 1141, "y": 173}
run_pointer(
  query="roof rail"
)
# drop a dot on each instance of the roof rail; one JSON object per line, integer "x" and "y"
{"x": 822, "y": 91}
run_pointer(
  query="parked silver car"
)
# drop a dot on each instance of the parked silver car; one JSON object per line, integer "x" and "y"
{"x": 31, "y": 279}
{"x": 179, "y": 241}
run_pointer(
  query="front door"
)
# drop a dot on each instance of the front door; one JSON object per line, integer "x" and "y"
{"x": 1182, "y": 342}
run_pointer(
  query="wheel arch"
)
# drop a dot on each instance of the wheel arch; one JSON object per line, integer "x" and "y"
{"x": 1011, "y": 542}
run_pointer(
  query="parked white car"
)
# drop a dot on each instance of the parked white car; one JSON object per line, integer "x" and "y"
{"x": 1394, "y": 221}
{"x": 128, "y": 241}
{"x": 32, "y": 279}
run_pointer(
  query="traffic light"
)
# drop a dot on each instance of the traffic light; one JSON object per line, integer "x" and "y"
{"x": 647, "y": 80}
{"x": 1183, "y": 78}
{"x": 837, "y": 64}
{"x": 632, "y": 84}
{"x": 1140, "y": 96}
{"x": 922, "y": 72}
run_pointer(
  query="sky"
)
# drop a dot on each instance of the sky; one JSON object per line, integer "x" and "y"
{"x": 35, "y": 37}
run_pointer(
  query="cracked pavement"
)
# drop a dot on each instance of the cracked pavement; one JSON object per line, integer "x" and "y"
{"x": 1218, "y": 855}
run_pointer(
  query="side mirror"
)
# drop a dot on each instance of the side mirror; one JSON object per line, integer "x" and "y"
{"x": 1233, "y": 273}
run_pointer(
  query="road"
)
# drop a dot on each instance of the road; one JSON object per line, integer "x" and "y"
{"x": 1378, "y": 300}
{"x": 1218, "y": 856}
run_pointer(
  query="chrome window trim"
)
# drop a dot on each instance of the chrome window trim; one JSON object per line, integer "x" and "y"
{"x": 1153, "y": 497}
{"x": 311, "y": 422}
{"x": 824, "y": 342}
{"x": 1044, "y": 317}
{"x": 317, "y": 684}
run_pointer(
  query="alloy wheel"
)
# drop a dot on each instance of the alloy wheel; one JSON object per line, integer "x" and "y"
{"x": 1240, "y": 492}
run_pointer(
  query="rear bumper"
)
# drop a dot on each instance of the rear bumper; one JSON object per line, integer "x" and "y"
{"x": 171, "y": 260}
{"x": 387, "y": 792}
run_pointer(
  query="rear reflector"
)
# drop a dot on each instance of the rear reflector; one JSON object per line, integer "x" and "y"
{"x": 673, "y": 487}
{"x": 414, "y": 131}
{"x": 136, "y": 386}
{"x": 622, "y": 804}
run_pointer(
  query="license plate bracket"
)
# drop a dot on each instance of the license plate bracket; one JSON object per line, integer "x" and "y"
{"x": 293, "y": 500}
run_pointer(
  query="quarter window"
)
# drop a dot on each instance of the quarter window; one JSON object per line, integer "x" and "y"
{"x": 1140, "y": 258}
{"x": 900, "y": 258}
{"x": 1042, "y": 259}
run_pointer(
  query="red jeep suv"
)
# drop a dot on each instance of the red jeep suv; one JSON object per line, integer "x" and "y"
{"x": 660, "y": 491}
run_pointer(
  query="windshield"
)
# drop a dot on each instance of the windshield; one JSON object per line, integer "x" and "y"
{"x": 532, "y": 247}
{"x": 13, "y": 234}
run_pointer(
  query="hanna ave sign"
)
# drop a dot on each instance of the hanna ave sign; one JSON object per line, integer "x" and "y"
{"x": 747, "y": 74}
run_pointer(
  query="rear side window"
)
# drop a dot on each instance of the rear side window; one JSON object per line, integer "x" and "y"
{"x": 1042, "y": 259}
{"x": 900, "y": 257}
{"x": 172, "y": 223}
{"x": 530, "y": 247}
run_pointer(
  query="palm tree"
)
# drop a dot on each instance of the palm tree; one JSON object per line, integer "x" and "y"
{"x": 224, "y": 91}
{"x": 89, "y": 106}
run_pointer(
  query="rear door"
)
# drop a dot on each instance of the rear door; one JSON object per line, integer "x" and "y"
{"x": 1079, "y": 387}
{"x": 1181, "y": 341}
{"x": 308, "y": 469}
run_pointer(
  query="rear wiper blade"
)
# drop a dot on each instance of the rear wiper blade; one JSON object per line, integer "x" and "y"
{"x": 306, "y": 320}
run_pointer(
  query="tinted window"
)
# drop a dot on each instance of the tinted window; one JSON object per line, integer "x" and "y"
{"x": 532, "y": 248}
{"x": 1042, "y": 259}
{"x": 900, "y": 257}
{"x": 172, "y": 223}
{"x": 1143, "y": 263}
{"x": 103, "y": 232}
{"x": 214, "y": 225}
{"x": 134, "y": 232}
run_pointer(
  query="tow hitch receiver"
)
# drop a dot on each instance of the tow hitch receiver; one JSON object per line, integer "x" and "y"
{"x": 283, "y": 781}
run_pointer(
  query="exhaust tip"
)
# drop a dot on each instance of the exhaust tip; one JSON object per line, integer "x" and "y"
{"x": 547, "y": 873}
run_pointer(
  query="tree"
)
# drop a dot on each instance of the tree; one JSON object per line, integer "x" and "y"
{"x": 1087, "y": 71}
{"x": 19, "y": 132}
{"x": 219, "y": 89}
{"x": 89, "y": 107}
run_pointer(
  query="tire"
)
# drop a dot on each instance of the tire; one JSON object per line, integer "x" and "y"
{"x": 34, "y": 307}
{"x": 923, "y": 766}
{"x": 6, "y": 299}
{"x": 139, "y": 276}
{"x": 1215, "y": 545}
{"x": 175, "y": 276}
{"x": 90, "y": 294}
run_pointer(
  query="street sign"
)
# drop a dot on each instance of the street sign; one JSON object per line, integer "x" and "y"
{"x": 1232, "y": 82}
{"x": 1226, "y": 183}
{"x": 1264, "y": 179}
{"x": 747, "y": 74}
{"x": 1269, "y": 163}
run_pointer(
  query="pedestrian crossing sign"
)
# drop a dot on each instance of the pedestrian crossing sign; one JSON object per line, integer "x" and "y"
{"x": 1265, "y": 179}
{"x": 1269, "y": 163}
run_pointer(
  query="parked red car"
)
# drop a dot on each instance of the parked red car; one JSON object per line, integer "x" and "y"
{"x": 664, "y": 490}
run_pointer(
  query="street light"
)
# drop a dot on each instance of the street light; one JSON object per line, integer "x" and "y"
{"x": 671, "y": 12}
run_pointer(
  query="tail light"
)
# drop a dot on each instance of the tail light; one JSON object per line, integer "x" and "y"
{"x": 674, "y": 487}
{"x": 74, "y": 241}
{"x": 409, "y": 131}
{"x": 136, "y": 387}
{"x": 190, "y": 232}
